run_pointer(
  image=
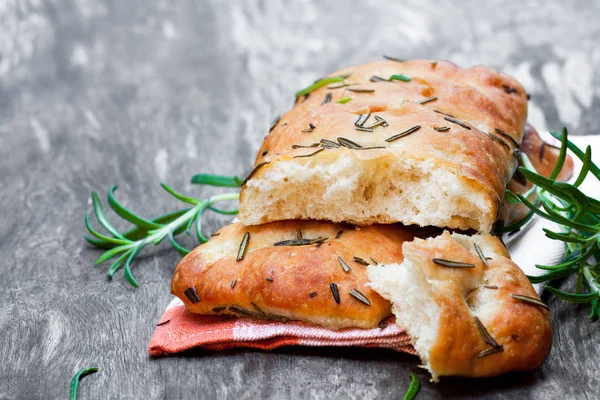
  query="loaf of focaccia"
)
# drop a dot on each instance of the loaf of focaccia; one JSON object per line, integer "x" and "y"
{"x": 302, "y": 270}
{"x": 436, "y": 148}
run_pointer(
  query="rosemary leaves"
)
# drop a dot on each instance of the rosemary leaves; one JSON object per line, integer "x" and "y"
{"x": 485, "y": 334}
{"x": 403, "y": 134}
{"x": 75, "y": 381}
{"x": 392, "y": 58}
{"x": 480, "y": 254}
{"x": 328, "y": 144}
{"x": 362, "y": 118}
{"x": 361, "y": 90}
{"x": 343, "y": 264}
{"x": 399, "y": 77}
{"x": 510, "y": 138}
{"x": 192, "y": 294}
{"x": 457, "y": 122}
{"x": 320, "y": 83}
{"x": 360, "y": 297}
{"x": 489, "y": 339}
{"x": 427, "y": 100}
{"x": 243, "y": 246}
{"x": 125, "y": 246}
{"x": 360, "y": 261}
{"x": 413, "y": 388}
{"x": 274, "y": 123}
{"x": 251, "y": 174}
{"x": 452, "y": 264}
{"x": 310, "y": 154}
{"x": 334, "y": 292}
{"x": 530, "y": 300}
{"x": 300, "y": 242}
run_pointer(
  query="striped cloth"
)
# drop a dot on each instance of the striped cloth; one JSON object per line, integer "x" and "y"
{"x": 180, "y": 330}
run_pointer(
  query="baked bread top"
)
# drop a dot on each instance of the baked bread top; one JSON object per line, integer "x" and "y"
{"x": 441, "y": 163}
{"x": 466, "y": 317}
{"x": 480, "y": 95}
{"x": 279, "y": 279}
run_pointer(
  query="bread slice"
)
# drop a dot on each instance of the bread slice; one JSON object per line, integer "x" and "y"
{"x": 442, "y": 155}
{"x": 468, "y": 319}
{"x": 301, "y": 270}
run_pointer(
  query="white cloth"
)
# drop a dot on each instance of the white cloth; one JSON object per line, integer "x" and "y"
{"x": 530, "y": 246}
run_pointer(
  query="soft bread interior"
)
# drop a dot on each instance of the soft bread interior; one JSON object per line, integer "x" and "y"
{"x": 381, "y": 189}
{"x": 442, "y": 308}
{"x": 413, "y": 304}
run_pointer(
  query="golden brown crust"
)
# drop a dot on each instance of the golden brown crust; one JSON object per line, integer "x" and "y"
{"x": 480, "y": 98}
{"x": 521, "y": 328}
{"x": 477, "y": 95}
{"x": 280, "y": 279}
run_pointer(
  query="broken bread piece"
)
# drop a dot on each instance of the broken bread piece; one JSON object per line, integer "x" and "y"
{"x": 298, "y": 270}
{"x": 470, "y": 310}
{"x": 435, "y": 148}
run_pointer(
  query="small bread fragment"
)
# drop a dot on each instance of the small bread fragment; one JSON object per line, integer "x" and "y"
{"x": 300, "y": 270}
{"x": 442, "y": 162}
{"x": 466, "y": 319}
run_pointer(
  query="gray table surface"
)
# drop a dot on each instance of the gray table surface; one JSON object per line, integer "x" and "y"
{"x": 95, "y": 93}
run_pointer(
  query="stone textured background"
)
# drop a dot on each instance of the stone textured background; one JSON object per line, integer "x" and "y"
{"x": 94, "y": 93}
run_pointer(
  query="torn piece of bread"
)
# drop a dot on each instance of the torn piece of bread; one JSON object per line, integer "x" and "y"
{"x": 466, "y": 319}
{"x": 444, "y": 162}
{"x": 300, "y": 270}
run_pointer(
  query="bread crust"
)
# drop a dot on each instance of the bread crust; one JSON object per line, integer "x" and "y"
{"x": 480, "y": 160}
{"x": 464, "y": 294}
{"x": 294, "y": 272}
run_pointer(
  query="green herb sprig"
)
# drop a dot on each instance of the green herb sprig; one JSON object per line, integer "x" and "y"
{"x": 413, "y": 389}
{"x": 320, "y": 83}
{"x": 123, "y": 247}
{"x": 75, "y": 381}
{"x": 578, "y": 216}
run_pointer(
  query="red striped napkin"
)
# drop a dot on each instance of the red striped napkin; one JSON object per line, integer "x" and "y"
{"x": 180, "y": 330}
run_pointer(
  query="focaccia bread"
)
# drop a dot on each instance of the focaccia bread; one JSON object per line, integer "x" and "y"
{"x": 466, "y": 318}
{"x": 442, "y": 162}
{"x": 301, "y": 270}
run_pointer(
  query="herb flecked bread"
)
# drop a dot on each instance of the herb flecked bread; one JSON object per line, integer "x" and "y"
{"x": 469, "y": 310}
{"x": 415, "y": 143}
{"x": 302, "y": 270}
{"x": 465, "y": 317}
{"x": 433, "y": 146}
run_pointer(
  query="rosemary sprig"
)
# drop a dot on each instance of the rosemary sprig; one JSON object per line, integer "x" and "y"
{"x": 123, "y": 247}
{"x": 413, "y": 389}
{"x": 344, "y": 100}
{"x": 75, "y": 381}
{"x": 578, "y": 217}
{"x": 320, "y": 83}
